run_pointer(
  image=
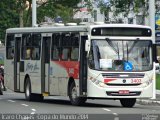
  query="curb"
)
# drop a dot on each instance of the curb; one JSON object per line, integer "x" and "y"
{"x": 147, "y": 102}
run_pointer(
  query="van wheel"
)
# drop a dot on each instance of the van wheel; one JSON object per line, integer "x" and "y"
{"x": 128, "y": 102}
{"x": 75, "y": 100}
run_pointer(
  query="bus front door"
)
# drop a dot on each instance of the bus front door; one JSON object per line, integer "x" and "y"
{"x": 45, "y": 64}
{"x": 18, "y": 38}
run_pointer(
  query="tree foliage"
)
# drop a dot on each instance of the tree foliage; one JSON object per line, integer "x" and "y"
{"x": 16, "y": 13}
{"x": 8, "y": 16}
{"x": 123, "y": 6}
{"x": 54, "y": 8}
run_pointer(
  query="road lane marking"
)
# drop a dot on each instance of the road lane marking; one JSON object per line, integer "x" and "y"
{"x": 11, "y": 101}
{"x": 25, "y": 105}
{"x": 115, "y": 114}
{"x": 33, "y": 110}
{"x": 32, "y": 113}
{"x": 106, "y": 109}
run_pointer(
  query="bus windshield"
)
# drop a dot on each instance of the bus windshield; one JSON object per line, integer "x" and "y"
{"x": 121, "y": 55}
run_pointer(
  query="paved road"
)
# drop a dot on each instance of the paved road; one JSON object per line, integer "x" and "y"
{"x": 15, "y": 103}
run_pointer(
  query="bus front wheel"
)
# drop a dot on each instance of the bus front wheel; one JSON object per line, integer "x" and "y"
{"x": 75, "y": 100}
{"x": 128, "y": 102}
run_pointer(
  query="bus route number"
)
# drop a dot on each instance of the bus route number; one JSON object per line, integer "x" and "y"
{"x": 136, "y": 80}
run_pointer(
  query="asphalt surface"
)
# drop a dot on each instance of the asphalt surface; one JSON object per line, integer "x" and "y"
{"x": 55, "y": 108}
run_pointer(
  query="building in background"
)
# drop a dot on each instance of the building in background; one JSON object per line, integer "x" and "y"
{"x": 87, "y": 15}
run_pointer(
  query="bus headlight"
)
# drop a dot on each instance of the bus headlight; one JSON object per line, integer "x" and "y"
{"x": 99, "y": 83}
{"x": 145, "y": 84}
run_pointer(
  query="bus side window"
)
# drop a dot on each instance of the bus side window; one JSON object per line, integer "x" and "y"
{"x": 28, "y": 53}
{"x": 75, "y": 53}
{"x": 10, "y": 46}
{"x": 55, "y": 49}
{"x": 55, "y": 53}
{"x": 65, "y": 53}
{"x": 36, "y": 46}
{"x": 26, "y": 46}
{"x": 75, "y": 46}
{"x": 65, "y": 44}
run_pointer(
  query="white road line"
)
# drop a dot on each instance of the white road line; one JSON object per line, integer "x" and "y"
{"x": 33, "y": 110}
{"x": 11, "y": 101}
{"x": 106, "y": 109}
{"x": 24, "y": 105}
{"x": 32, "y": 113}
{"x": 115, "y": 114}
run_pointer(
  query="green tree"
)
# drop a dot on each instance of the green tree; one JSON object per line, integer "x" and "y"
{"x": 8, "y": 16}
{"x": 123, "y": 6}
{"x": 54, "y": 8}
{"x": 16, "y": 13}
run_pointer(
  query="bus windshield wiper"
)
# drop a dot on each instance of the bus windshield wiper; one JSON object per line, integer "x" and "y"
{"x": 113, "y": 46}
{"x": 127, "y": 51}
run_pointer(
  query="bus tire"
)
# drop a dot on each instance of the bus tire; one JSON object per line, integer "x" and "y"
{"x": 28, "y": 94}
{"x": 128, "y": 102}
{"x": 75, "y": 100}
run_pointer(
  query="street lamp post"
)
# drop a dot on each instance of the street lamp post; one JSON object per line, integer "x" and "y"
{"x": 152, "y": 25}
{"x": 34, "y": 13}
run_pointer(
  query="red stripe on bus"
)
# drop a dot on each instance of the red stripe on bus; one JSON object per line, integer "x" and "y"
{"x": 109, "y": 80}
{"x": 71, "y": 67}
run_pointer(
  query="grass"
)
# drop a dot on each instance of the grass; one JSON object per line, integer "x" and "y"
{"x": 158, "y": 81}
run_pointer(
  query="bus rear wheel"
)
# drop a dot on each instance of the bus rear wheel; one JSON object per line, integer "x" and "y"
{"x": 75, "y": 100}
{"x": 128, "y": 102}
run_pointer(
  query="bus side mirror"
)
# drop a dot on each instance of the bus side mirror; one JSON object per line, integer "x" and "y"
{"x": 87, "y": 45}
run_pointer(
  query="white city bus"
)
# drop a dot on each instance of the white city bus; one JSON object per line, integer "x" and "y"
{"x": 109, "y": 61}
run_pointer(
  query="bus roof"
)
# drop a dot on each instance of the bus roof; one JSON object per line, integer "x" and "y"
{"x": 82, "y": 28}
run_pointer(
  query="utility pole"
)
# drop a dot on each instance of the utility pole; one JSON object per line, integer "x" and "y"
{"x": 152, "y": 25}
{"x": 152, "y": 17}
{"x": 34, "y": 13}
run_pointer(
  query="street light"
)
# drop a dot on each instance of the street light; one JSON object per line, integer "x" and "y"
{"x": 152, "y": 25}
{"x": 34, "y": 13}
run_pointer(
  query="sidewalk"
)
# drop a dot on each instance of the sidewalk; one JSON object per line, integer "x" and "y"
{"x": 150, "y": 101}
